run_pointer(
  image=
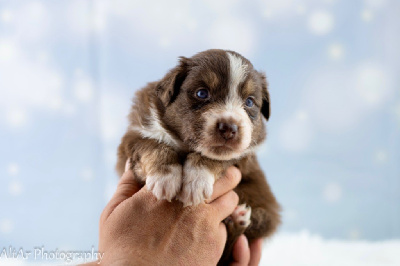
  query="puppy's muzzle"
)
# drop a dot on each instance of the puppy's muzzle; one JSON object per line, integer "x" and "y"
{"x": 227, "y": 130}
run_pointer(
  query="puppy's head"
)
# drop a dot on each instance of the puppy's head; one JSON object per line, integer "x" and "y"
{"x": 215, "y": 102}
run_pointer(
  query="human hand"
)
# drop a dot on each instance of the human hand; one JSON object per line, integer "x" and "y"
{"x": 245, "y": 254}
{"x": 136, "y": 228}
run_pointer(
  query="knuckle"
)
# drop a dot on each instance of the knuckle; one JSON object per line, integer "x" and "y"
{"x": 233, "y": 175}
{"x": 232, "y": 199}
{"x": 103, "y": 216}
{"x": 235, "y": 197}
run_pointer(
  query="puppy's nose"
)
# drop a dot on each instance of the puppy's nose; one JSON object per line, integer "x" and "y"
{"x": 227, "y": 131}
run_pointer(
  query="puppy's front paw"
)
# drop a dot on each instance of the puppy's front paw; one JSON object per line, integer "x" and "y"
{"x": 241, "y": 216}
{"x": 198, "y": 184}
{"x": 165, "y": 185}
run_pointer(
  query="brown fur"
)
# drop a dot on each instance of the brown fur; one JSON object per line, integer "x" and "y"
{"x": 181, "y": 135}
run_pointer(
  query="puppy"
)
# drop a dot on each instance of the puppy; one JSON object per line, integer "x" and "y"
{"x": 205, "y": 115}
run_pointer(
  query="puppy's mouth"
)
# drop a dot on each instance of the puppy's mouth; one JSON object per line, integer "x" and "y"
{"x": 221, "y": 149}
{"x": 227, "y": 145}
{"x": 226, "y": 135}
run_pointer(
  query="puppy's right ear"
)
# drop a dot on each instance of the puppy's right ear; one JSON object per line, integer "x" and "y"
{"x": 168, "y": 88}
{"x": 266, "y": 105}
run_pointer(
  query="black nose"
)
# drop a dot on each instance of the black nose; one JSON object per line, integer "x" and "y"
{"x": 227, "y": 131}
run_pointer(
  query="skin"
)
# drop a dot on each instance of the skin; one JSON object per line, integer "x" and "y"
{"x": 138, "y": 229}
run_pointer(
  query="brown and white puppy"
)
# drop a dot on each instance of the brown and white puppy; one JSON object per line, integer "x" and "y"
{"x": 205, "y": 115}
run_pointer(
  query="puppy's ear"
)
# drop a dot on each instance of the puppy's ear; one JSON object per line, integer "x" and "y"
{"x": 266, "y": 106}
{"x": 168, "y": 88}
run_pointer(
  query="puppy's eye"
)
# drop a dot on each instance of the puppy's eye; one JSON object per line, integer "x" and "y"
{"x": 249, "y": 102}
{"x": 202, "y": 94}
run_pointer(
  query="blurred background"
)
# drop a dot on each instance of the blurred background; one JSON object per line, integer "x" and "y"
{"x": 68, "y": 71}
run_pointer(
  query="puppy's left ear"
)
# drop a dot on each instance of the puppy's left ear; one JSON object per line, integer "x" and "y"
{"x": 168, "y": 88}
{"x": 266, "y": 106}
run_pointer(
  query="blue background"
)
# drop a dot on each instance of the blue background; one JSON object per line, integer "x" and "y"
{"x": 68, "y": 71}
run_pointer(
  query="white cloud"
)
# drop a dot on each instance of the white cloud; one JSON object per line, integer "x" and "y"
{"x": 303, "y": 248}
{"x": 336, "y": 51}
{"x": 83, "y": 87}
{"x": 15, "y": 188}
{"x": 34, "y": 23}
{"x": 373, "y": 84}
{"x": 296, "y": 133}
{"x": 222, "y": 7}
{"x": 6, "y": 15}
{"x": 114, "y": 110}
{"x": 320, "y": 22}
{"x": 165, "y": 42}
{"x": 381, "y": 156}
{"x": 371, "y": 8}
{"x": 176, "y": 24}
{"x": 332, "y": 192}
{"x": 282, "y": 10}
{"x": 14, "y": 262}
{"x": 156, "y": 19}
{"x": 83, "y": 17}
{"x": 87, "y": 174}
{"x": 16, "y": 118}
{"x": 339, "y": 99}
{"x": 69, "y": 109}
{"x": 332, "y": 101}
{"x": 13, "y": 169}
{"x": 233, "y": 34}
{"x": 376, "y": 3}
{"x": 26, "y": 84}
{"x": 6, "y": 226}
{"x": 367, "y": 15}
{"x": 8, "y": 50}
{"x": 354, "y": 234}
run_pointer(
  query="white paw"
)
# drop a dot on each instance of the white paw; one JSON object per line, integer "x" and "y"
{"x": 241, "y": 215}
{"x": 165, "y": 186}
{"x": 197, "y": 185}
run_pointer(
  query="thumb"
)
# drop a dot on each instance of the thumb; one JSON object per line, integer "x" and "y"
{"x": 126, "y": 188}
{"x": 241, "y": 252}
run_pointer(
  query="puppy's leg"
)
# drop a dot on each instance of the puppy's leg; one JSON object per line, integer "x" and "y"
{"x": 153, "y": 163}
{"x": 255, "y": 192}
{"x": 199, "y": 175}
{"x": 236, "y": 225}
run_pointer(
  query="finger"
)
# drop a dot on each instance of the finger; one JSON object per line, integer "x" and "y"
{"x": 223, "y": 232}
{"x": 241, "y": 252}
{"x": 126, "y": 188}
{"x": 255, "y": 252}
{"x": 224, "y": 205}
{"x": 228, "y": 182}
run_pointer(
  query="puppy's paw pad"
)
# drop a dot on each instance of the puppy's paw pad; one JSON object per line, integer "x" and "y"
{"x": 197, "y": 185}
{"x": 241, "y": 215}
{"x": 165, "y": 185}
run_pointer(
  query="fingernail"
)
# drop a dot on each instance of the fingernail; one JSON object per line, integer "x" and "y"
{"x": 127, "y": 165}
{"x": 245, "y": 240}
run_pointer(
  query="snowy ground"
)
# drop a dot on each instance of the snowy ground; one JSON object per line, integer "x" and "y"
{"x": 306, "y": 249}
